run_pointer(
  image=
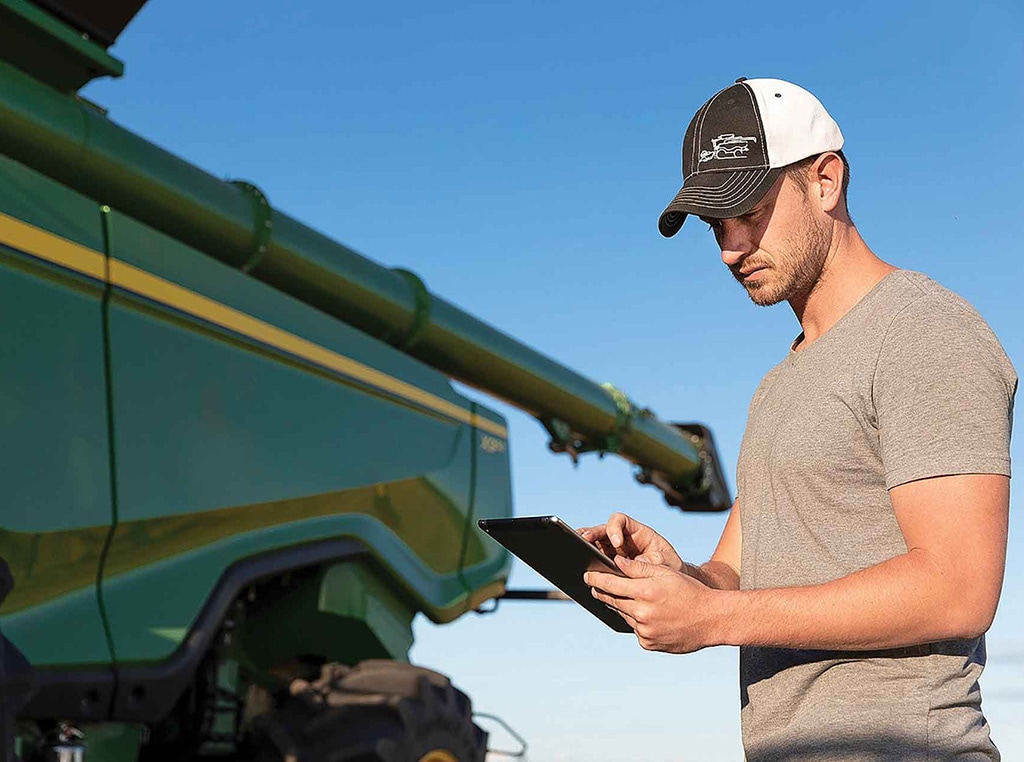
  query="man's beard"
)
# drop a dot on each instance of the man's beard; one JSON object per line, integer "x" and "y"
{"x": 797, "y": 271}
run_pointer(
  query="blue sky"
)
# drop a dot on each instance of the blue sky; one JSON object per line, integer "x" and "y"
{"x": 516, "y": 156}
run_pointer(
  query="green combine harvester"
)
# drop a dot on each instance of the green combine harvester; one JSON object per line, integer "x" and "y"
{"x": 235, "y": 467}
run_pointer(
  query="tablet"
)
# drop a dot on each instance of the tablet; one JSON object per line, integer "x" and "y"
{"x": 554, "y": 550}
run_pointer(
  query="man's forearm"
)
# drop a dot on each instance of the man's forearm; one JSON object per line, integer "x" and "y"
{"x": 904, "y": 601}
{"x": 715, "y": 574}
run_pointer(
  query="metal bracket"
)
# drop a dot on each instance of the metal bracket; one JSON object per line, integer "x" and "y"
{"x": 519, "y": 739}
{"x": 535, "y": 595}
{"x": 263, "y": 223}
{"x": 523, "y": 595}
{"x": 564, "y": 439}
{"x": 627, "y": 413}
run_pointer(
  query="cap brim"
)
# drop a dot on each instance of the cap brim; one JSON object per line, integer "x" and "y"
{"x": 718, "y": 195}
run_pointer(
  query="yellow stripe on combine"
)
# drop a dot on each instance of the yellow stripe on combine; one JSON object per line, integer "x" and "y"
{"x": 51, "y": 248}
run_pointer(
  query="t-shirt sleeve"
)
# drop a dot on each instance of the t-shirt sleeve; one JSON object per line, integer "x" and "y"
{"x": 943, "y": 394}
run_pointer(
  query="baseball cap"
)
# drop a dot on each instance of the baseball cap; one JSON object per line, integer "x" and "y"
{"x": 738, "y": 144}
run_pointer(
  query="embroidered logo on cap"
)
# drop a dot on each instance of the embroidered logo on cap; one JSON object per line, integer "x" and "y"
{"x": 727, "y": 146}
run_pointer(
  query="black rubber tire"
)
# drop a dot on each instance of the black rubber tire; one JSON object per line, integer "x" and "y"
{"x": 377, "y": 711}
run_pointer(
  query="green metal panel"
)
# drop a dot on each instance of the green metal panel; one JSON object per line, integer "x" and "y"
{"x": 56, "y": 510}
{"x": 149, "y": 627}
{"x": 345, "y": 613}
{"x": 227, "y": 447}
{"x": 352, "y": 589}
{"x": 50, "y": 51}
{"x": 485, "y": 560}
{"x": 239, "y": 422}
{"x": 39, "y": 201}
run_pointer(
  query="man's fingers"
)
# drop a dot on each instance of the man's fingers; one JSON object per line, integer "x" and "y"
{"x": 637, "y": 569}
{"x": 592, "y": 534}
{"x": 654, "y": 557}
{"x": 619, "y": 527}
{"x": 622, "y": 605}
{"x": 597, "y": 536}
{"x": 611, "y": 583}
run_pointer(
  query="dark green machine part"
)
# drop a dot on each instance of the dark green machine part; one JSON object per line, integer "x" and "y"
{"x": 226, "y": 433}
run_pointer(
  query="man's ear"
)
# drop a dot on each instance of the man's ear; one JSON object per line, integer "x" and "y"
{"x": 827, "y": 176}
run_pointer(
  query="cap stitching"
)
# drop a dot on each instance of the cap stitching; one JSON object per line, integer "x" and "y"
{"x": 729, "y": 204}
{"x": 695, "y": 148}
{"x": 689, "y": 204}
{"x": 735, "y": 179}
{"x": 760, "y": 125}
{"x": 726, "y": 189}
{"x": 700, "y": 129}
{"x": 736, "y": 193}
{"x": 727, "y": 201}
{"x": 696, "y": 139}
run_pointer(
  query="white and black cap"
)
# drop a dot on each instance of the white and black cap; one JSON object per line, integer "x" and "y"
{"x": 738, "y": 144}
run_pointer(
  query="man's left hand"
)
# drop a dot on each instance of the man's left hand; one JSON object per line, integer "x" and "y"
{"x": 668, "y": 610}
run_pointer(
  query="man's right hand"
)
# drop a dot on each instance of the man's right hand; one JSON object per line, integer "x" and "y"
{"x": 625, "y": 536}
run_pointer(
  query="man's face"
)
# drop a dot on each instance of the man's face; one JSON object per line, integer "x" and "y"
{"x": 778, "y": 249}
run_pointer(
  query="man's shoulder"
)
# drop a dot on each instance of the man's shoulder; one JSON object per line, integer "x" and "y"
{"x": 915, "y": 288}
{"x": 919, "y": 306}
{"x": 930, "y": 324}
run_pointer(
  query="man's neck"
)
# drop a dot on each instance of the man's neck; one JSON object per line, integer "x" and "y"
{"x": 850, "y": 271}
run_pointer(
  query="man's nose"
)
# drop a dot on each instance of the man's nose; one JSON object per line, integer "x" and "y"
{"x": 735, "y": 242}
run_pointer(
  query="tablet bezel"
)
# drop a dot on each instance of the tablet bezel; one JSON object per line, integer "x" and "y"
{"x": 554, "y": 550}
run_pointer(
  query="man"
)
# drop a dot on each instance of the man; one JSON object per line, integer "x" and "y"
{"x": 863, "y": 559}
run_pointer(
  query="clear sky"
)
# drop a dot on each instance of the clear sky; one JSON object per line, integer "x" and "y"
{"x": 517, "y": 155}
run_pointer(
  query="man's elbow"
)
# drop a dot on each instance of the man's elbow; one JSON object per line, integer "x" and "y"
{"x": 971, "y": 618}
{"x": 972, "y": 627}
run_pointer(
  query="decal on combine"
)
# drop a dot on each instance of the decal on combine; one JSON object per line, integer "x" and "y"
{"x": 491, "y": 445}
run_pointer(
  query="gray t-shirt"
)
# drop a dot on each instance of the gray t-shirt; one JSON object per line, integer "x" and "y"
{"x": 910, "y": 383}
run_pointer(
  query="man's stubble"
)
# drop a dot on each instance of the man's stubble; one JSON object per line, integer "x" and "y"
{"x": 797, "y": 264}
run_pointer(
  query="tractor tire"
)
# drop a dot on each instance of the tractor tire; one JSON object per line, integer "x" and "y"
{"x": 377, "y": 711}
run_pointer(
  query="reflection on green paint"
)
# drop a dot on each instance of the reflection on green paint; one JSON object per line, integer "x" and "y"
{"x": 429, "y": 522}
{"x": 173, "y": 634}
{"x": 47, "y": 565}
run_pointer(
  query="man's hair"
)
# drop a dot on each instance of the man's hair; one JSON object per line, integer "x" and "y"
{"x": 797, "y": 172}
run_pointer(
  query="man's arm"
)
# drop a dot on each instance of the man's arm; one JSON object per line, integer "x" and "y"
{"x": 722, "y": 572}
{"x": 945, "y": 586}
